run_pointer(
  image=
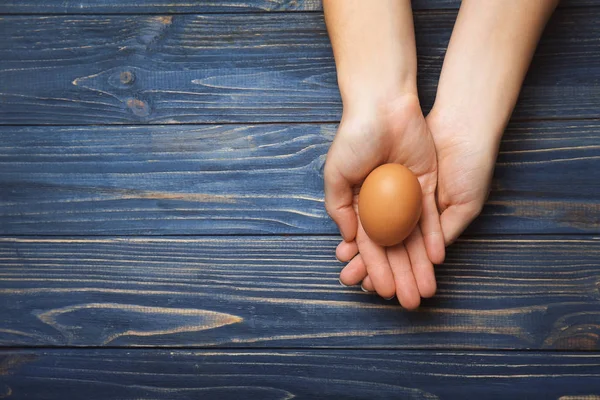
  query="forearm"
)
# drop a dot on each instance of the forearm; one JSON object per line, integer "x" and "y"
{"x": 374, "y": 48}
{"x": 488, "y": 56}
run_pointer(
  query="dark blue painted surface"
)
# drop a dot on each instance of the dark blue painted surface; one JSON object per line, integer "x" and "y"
{"x": 203, "y": 6}
{"x": 325, "y": 374}
{"x": 243, "y": 68}
{"x": 260, "y": 179}
{"x": 273, "y": 301}
{"x": 497, "y": 293}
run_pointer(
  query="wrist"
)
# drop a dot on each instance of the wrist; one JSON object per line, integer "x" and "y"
{"x": 364, "y": 94}
{"x": 375, "y": 83}
{"x": 456, "y": 124}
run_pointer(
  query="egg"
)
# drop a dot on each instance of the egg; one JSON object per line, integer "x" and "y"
{"x": 389, "y": 204}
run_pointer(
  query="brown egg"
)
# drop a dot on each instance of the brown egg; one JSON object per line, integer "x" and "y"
{"x": 389, "y": 204}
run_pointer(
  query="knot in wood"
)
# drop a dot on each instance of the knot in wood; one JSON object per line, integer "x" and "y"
{"x": 127, "y": 77}
{"x": 138, "y": 107}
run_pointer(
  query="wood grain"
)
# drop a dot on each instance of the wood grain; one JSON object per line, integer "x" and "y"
{"x": 260, "y": 179}
{"x": 535, "y": 293}
{"x": 423, "y": 375}
{"x": 250, "y": 302}
{"x": 242, "y": 68}
{"x": 204, "y": 6}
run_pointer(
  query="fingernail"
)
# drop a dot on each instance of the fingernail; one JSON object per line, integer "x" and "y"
{"x": 341, "y": 283}
{"x": 363, "y": 289}
{"x": 390, "y": 298}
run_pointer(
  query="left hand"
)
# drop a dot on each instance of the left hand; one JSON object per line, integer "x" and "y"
{"x": 369, "y": 135}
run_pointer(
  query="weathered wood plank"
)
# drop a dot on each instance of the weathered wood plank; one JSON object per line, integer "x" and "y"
{"x": 242, "y": 68}
{"x": 204, "y": 6}
{"x": 259, "y": 179}
{"x": 534, "y": 293}
{"x": 163, "y": 6}
{"x": 104, "y": 374}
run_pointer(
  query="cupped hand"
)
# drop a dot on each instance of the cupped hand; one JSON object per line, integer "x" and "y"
{"x": 371, "y": 134}
{"x": 466, "y": 159}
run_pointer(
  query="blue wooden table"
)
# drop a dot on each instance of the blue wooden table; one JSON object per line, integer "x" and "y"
{"x": 163, "y": 235}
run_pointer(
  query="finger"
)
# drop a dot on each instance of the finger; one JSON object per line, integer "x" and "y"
{"x": 338, "y": 200}
{"x": 406, "y": 286}
{"x": 455, "y": 220}
{"x": 432, "y": 230}
{"x": 377, "y": 264}
{"x": 354, "y": 273}
{"x": 422, "y": 267}
{"x": 367, "y": 285}
{"x": 346, "y": 251}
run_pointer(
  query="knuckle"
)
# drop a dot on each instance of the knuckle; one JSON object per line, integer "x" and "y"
{"x": 475, "y": 210}
{"x": 329, "y": 167}
{"x": 361, "y": 241}
{"x": 329, "y": 208}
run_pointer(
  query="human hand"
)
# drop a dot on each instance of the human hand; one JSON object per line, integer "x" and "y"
{"x": 488, "y": 55}
{"x": 466, "y": 160}
{"x": 371, "y": 134}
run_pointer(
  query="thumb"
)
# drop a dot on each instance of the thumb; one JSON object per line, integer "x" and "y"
{"x": 339, "y": 197}
{"x": 456, "y": 218}
{"x": 432, "y": 231}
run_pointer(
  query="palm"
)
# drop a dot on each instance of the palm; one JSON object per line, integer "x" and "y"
{"x": 397, "y": 134}
{"x": 465, "y": 172}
